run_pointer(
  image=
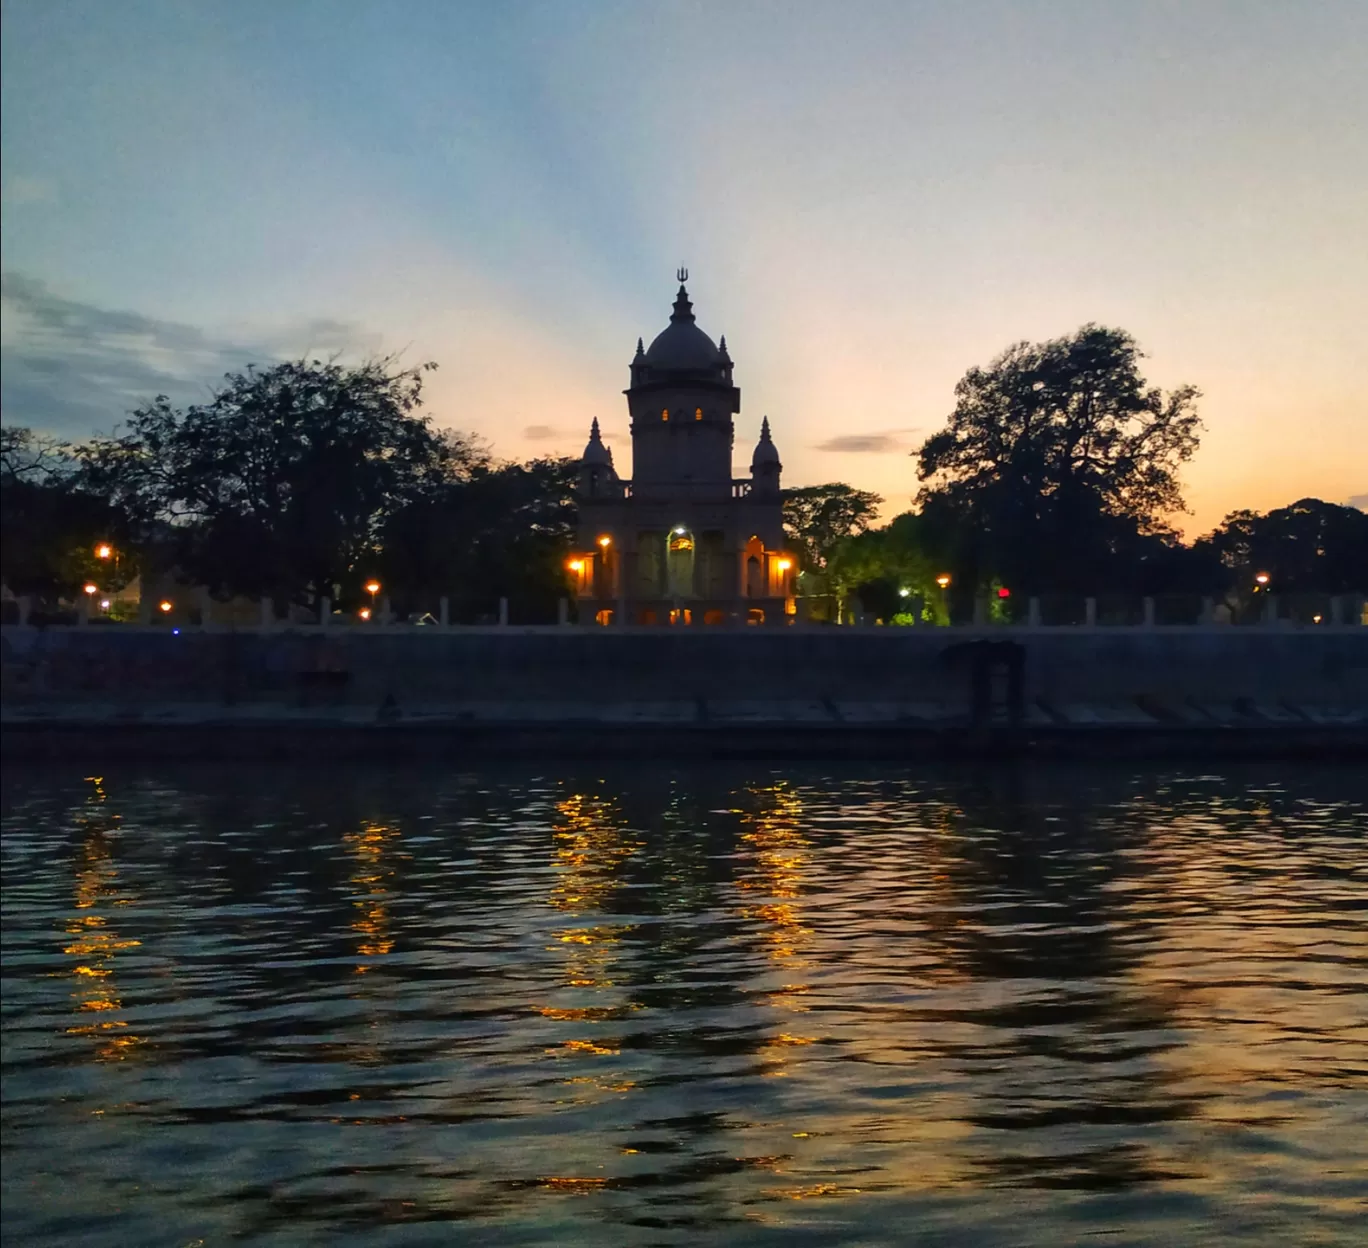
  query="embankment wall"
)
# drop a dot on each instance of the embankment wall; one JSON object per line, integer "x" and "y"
{"x": 432, "y": 667}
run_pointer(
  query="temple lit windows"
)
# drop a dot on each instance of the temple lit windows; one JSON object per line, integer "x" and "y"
{"x": 664, "y": 413}
{"x": 698, "y": 413}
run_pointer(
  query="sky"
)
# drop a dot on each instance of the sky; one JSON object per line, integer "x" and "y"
{"x": 871, "y": 198}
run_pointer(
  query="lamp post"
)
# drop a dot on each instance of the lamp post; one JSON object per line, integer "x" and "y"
{"x": 372, "y": 588}
{"x": 943, "y": 580}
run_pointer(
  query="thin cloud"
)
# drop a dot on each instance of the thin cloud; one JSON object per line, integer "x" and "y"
{"x": 73, "y": 368}
{"x": 1358, "y": 500}
{"x": 864, "y": 443}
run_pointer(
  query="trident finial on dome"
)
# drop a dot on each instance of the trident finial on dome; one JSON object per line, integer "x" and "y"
{"x": 682, "y": 274}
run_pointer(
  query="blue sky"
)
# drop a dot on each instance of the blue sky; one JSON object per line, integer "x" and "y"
{"x": 871, "y": 197}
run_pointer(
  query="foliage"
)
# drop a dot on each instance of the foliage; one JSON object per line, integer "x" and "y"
{"x": 889, "y": 570}
{"x": 501, "y": 531}
{"x": 49, "y": 528}
{"x": 282, "y": 483}
{"x": 1056, "y": 458}
{"x": 819, "y": 517}
{"x": 1308, "y": 547}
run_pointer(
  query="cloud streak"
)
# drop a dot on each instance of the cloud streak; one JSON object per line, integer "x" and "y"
{"x": 865, "y": 443}
{"x": 74, "y": 368}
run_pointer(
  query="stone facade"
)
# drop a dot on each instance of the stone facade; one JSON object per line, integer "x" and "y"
{"x": 683, "y": 541}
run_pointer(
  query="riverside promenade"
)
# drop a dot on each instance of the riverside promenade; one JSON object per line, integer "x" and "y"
{"x": 595, "y": 692}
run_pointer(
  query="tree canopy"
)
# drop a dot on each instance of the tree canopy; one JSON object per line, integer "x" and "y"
{"x": 281, "y": 484}
{"x": 818, "y": 517}
{"x": 1308, "y": 547}
{"x": 1055, "y": 458}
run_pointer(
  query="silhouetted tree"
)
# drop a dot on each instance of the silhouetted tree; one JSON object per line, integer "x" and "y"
{"x": 282, "y": 483}
{"x": 49, "y": 527}
{"x": 1056, "y": 457}
{"x": 818, "y": 517}
{"x": 1308, "y": 547}
{"x": 498, "y": 531}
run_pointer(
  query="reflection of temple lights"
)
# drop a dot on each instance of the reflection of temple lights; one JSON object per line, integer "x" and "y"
{"x": 591, "y": 846}
{"x": 94, "y": 943}
{"x": 372, "y": 922}
{"x": 780, "y": 854}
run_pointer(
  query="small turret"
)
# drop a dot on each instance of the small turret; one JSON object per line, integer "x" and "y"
{"x": 765, "y": 465}
{"x": 597, "y": 476}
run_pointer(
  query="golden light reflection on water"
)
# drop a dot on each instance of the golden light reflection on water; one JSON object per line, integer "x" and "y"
{"x": 591, "y": 845}
{"x": 778, "y": 853}
{"x": 370, "y": 851}
{"x": 94, "y": 941}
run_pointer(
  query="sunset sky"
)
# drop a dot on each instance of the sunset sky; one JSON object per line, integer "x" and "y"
{"x": 871, "y": 198}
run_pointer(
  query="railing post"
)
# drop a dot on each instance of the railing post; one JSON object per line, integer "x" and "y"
{"x": 444, "y": 611}
{"x": 324, "y": 612}
{"x": 83, "y": 611}
{"x": 980, "y": 611}
{"x": 1033, "y": 612}
{"x": 386, "y": 615}
{"x": 267, "y": 614}
{"x": 1148, "y": 605}
{"x": 1337, "y": 610}
{"x": 503, "y": 611}
{"x": 1090, "y": 612}
{"x": 25, "y": 608}
{"x": 1270, "y": 611}
{"x": 1208, "y": 615}
{"x": 562, "y": 611}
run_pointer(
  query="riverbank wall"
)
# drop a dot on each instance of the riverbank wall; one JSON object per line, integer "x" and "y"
{"x": 843, "y": 692}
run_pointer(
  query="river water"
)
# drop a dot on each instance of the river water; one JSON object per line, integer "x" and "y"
{"x": 707, "y": 1005}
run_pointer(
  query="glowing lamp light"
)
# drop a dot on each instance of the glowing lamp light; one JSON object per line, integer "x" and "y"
{"x": 943, "y": 580}
{"x": 785, "y": 564}
{"x": 1315, "y": 619}
{"x": 605, "y": 541}
{"x": 679, "y": 528}
{"x": 104, "y": 606}
{"x": 576, "y": 565}
{"x": 1261, "y": 578}
{"x": 372, "y": 587}
{"x": 364, "y": 613}
{"x": 164, "y": 605}
{"x": 104, "y": 551}
{"x": 91, "y": 588}
{"x": 903, "y": 593}
{"x": 1004, "y": 592}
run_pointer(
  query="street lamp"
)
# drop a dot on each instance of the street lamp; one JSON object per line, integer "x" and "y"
{"x": 943, "y": 580}
{"x": 372, "y": 588}
{"x": 90, "y": 587}
{"x": 576, "y": 565}
{"x": 1261, "y": 581}
{"x": 104, "y": 551}
{"x": 605, "y": 541}
{"x": 165, "y": 605}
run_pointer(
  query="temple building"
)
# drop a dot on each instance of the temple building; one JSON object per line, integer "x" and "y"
{"x": 683, "y": 541}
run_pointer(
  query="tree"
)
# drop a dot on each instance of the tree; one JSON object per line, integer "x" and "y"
{"x": 818, "y": 517}
{"x": 499, "y": 531}
{"x": 1308, "y": 547}
{"x": 1056, "y": 456}
{"x": 890, "y": 570}
{"x": 49, "y": 527}
{"x": 282, "y": 483}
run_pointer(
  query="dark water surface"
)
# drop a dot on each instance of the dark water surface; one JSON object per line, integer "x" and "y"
{"x": 766, "y": 1005}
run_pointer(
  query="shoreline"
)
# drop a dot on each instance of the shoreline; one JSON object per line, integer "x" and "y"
{"x": 182, "y": 735}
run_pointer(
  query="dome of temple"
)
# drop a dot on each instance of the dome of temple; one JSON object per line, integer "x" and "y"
{"x": 681, "y": 344}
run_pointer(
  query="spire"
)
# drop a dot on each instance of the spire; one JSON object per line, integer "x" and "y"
{"x": 596, "y": 452}
{"x": 640, "y": 349}
{"x": 766, "y": 453}
{"x": 683, "y": 309}
{"x": 722, "y": 347}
